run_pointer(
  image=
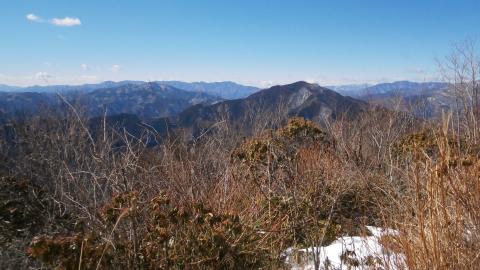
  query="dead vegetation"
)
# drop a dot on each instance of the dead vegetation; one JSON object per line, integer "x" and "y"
{"x": 211, "y": 203}
{"x": 74, "y": 201}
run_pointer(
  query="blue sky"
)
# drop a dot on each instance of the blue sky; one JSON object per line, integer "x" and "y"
{"x": 250, "y": 41}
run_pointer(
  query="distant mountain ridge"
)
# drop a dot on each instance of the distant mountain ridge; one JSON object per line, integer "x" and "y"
{"x": 225, "y": 90}
{"x": 66, "y": 88}
{"x": 26, "y": 103}
{"x": 277, "y": 103}
{"x": 405, "y": 87}
{"x": 348, "y": 88}
{"x": 393, "y": 88}
{"x": 422, "y": 99}
{"x": 232, "y": 90}
{"x": 8, "y": 88}
{"x": 268, "y": 108}
{"x": 197, "y": 110}
{"x": 146, "y": 100}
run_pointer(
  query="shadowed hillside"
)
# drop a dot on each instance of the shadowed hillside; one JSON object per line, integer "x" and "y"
{"x": 273, "y": 106}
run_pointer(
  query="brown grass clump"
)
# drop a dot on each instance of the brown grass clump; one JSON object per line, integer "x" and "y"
{"x": 305, "y": 194}
{"x": 171, "y": 238}
{"x": 20, "y": 207}
{"x": 439, "y": 214}
{"x": 23, "y": 214}
{"x": 426, "y": 143}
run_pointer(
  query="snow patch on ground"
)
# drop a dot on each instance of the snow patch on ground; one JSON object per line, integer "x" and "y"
{"x": 348, "y": 252}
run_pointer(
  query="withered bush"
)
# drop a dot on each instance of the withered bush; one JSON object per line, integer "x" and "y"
{"x": 187, "y": 237}
{"x": 24, "y": 213}
{"x": 222, "y": 202}
{"x": 438, "y": 215}
{"x": 210, "y": 203}
{"x": 306, "y": 195}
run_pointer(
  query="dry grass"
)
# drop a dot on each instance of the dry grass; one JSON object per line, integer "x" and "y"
{"x": 439, "y": 212}
{"x": 110, "y": 201}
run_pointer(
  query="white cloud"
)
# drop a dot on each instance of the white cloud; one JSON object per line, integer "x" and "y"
{"x": 34, "y": 18}
{"x": 115, "y": 68}
{"x": 84, "y": 67}
{"x": 312, "y": 81}
{"x": 42, "y": 74}
{"x": 266, "y": 84}
{"x": 67, "y": 21}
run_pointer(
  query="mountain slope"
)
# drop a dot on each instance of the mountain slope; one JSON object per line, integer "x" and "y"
{"x": 147, "y": 100}
{"x": 272, "y": 106}
{"x": 26, "y": 103}
{"x": 8, "y": 88}
{"x": 393, "y": 88}
{"x": 349, "y": 89}
{"x": 68, "y": 88}
{"x": 225, "y": 90}
{"x": 404, "y": 88}
{"x": 423, "y": 104}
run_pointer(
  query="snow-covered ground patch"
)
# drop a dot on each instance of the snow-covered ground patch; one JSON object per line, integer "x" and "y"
{"x": 349, "y": 252}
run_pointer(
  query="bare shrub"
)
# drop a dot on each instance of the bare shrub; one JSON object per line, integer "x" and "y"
{"x": 438, "y": 212}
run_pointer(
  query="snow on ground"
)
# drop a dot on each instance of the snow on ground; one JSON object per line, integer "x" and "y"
{"x": 348, "y": 252}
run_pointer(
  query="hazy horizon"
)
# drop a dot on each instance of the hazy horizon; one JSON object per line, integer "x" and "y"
{"x": 366, "y": 84}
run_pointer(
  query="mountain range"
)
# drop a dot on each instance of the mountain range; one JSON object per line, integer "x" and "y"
{"x": 232, "y": 90}
{"x": 349, "y": 88}
{"x": 403, "y": 88}
{"x": 13, "y": 104}
{"x": 196, "y": 107}
{"x": 146, "y": 100}
{"x": 270, "y": 107}
{"x": 224, "y": 90}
